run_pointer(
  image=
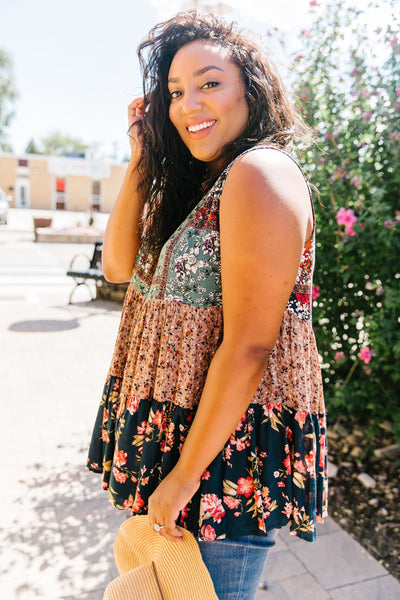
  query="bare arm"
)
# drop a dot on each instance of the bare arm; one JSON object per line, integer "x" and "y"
{"x": 265, "y": 217}
{"x": 121, "y": 238}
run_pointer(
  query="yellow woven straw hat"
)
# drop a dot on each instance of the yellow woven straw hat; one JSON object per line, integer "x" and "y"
{"x": 153, "y": 568}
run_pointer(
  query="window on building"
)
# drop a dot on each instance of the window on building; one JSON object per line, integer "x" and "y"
{"x": 60, "y": 193}
{"x": 96, "y": 195}
{"x": 22, "y": 162}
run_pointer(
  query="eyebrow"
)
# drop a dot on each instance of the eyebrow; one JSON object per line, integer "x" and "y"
{"x": 197, "y": 73}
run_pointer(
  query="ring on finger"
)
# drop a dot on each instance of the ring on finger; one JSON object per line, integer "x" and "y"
{"x": 158, "y": 527}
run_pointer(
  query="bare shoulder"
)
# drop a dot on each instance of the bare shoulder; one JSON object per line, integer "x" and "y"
{"x": 267, "y": 182}
{"x": 267, "y": 169}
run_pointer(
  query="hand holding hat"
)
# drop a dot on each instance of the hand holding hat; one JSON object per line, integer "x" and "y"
{"x": 154, "y": 568}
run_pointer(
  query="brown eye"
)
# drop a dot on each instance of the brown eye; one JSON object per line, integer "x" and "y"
{"x": 210, "y": 84}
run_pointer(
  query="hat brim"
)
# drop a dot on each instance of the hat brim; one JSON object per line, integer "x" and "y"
{"x": 138, "y": 584}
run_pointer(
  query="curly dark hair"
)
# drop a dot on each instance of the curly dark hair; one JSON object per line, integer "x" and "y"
{"x": 171, "y": 180}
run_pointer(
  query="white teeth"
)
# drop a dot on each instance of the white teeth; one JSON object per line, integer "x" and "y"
{"x": 193, "y": 128}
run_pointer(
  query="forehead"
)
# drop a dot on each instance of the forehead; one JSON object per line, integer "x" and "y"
{"x": 199, "y": 54}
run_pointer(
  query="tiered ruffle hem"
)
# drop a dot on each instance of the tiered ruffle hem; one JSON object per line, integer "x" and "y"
{"x": 273, "y": 469}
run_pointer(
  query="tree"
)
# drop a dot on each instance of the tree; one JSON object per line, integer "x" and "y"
{"x": 348, "y": 85}
{"x": 32, "y": 148}
{"x": 60, "y": 144}
{"x": 7, "y": 96}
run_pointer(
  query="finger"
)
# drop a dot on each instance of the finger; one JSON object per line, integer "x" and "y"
{"x": 137, "y": 102}
{"x": 136, "y": 106}
{"x": 171, "y": 531}
{"x": 171, "y": 534}
{"x": 135, "y": 110}
{"x": 153, "y": 520}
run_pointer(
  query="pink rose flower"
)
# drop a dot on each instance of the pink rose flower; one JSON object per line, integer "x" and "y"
{"x": 347, "y": 218}
{"x": 339, "y": 356}
{"x": 315, "y": 292}
{"x": 365, "y": 355}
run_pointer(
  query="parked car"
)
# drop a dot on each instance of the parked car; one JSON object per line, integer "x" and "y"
{"x": 4, "y": 200}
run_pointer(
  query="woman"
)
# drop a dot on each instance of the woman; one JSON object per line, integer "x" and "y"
{"x": 212, "y": 415}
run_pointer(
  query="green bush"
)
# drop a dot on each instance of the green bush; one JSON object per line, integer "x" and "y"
{"x": 347, "y": 80}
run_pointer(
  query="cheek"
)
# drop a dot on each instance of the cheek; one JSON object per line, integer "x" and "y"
{"x": 173, "y": 116}
{"x": 240, "y": 114}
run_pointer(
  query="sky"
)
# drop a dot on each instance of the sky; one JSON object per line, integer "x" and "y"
{"x": 75, "y": 61}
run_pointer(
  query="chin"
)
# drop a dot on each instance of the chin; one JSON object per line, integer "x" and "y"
{"x": 206, "y": 157}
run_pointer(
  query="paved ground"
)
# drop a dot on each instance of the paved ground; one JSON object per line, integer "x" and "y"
{"x": 56, "y": 525}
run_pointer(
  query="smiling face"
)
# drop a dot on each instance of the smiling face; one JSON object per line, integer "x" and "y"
{"x": 208, "y": 105}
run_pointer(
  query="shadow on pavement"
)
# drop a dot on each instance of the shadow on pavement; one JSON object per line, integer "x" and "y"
{"x": 57, "y": 542}
{"x": 43, "y": 325}
{"x": 55, "y": 325}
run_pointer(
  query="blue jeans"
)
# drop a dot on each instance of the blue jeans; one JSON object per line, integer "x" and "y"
{"x": 236, "y": 565}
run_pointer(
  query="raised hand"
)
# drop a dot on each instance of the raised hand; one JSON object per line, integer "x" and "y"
{"x": 136, "y": 111}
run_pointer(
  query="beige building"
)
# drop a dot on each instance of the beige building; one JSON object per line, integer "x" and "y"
{"x": 59, "y": 182}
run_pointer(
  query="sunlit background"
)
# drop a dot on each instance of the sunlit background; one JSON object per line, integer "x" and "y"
{"x": 75, "y": 61}
{"x": 75, "y": 70}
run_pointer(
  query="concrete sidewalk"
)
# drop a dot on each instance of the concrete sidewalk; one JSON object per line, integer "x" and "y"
{"x": 57, "y": 527}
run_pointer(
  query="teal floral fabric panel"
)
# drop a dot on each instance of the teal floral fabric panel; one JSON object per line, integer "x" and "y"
{"x": 189, "y": 266}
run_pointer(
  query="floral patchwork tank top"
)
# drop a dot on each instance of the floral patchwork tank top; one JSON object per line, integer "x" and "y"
{"x": 273, "y": 468}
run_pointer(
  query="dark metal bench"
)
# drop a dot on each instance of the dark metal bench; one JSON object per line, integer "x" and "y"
{"x": 94, "y": 271}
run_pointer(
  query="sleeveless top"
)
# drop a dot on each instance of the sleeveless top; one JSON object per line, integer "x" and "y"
{"x": 273, "y": 468}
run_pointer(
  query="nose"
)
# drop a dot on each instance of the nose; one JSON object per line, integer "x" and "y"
{"x": 191, "y": 102}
